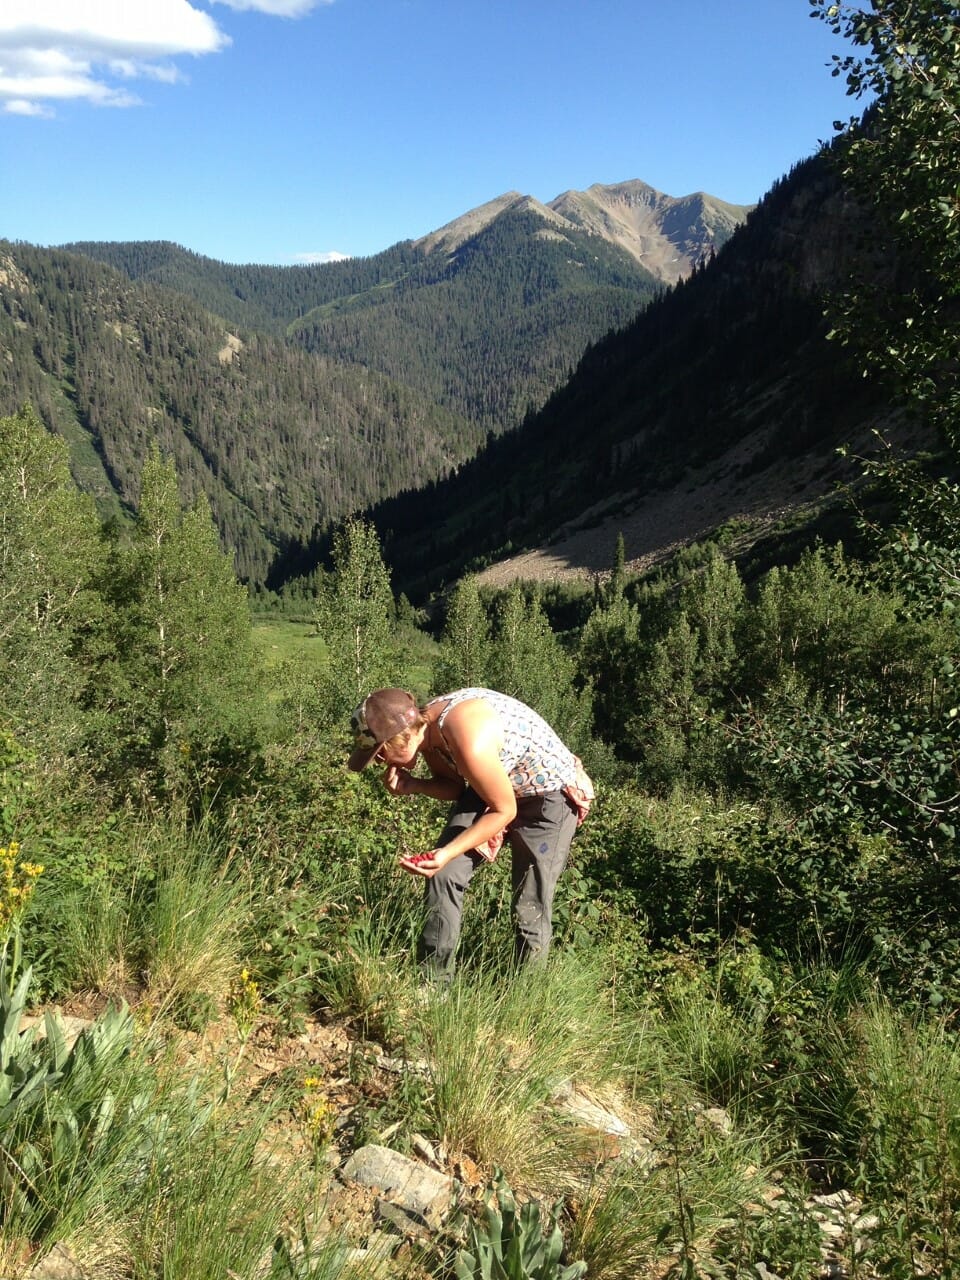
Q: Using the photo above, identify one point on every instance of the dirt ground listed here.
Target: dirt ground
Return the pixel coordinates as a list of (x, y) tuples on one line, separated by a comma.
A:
[(331, 1088), (661, 523)]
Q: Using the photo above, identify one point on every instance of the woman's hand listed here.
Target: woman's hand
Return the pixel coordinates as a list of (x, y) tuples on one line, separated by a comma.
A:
[(425, 864), (399, 782)]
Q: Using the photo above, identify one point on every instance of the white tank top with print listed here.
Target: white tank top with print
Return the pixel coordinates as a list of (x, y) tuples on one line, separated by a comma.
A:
[(533, 755)]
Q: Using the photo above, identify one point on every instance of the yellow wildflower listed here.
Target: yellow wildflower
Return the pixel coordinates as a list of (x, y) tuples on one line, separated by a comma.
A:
[(17, 882), (316, 1112), (244, 1002)]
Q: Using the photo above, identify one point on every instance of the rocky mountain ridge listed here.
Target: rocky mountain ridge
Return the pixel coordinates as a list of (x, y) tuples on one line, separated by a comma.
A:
[(667, 235)]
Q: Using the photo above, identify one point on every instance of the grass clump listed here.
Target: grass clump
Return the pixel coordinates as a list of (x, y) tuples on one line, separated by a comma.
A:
[(690, 1209), (499, 1048), (165, 925), (890, 1120)]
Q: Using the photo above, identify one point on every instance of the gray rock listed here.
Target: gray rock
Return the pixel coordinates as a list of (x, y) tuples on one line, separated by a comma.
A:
[(426, 1150), (403, 1066), (58, 1264), (402, 1221), (717, 1118), (833, 1230), (71, 1027), (375, 1256), (422, 1192), (579, 1106), (837, 1200)]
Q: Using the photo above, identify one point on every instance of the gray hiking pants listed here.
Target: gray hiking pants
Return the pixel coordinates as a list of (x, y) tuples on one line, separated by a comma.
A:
[(539, 839)]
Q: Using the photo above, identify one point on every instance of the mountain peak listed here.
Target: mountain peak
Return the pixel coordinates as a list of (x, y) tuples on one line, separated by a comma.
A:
[(452, 234), (667, 235)]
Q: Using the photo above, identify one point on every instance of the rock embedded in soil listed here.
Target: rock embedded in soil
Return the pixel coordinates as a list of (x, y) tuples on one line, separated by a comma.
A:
[(424, 1193)]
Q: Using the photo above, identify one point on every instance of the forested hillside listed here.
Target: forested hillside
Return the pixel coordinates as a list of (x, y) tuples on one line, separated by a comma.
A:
[(250, 296), (486, 329), (279, 440), (492, 328)]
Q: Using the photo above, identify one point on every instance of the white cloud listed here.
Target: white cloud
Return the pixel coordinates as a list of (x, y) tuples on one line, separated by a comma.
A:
[(74, 49), (36, 89), (21, 107), (313, 259), (128, 69), (276, 8)]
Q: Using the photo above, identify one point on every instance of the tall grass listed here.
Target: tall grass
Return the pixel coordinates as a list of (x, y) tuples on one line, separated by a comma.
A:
[(866, 1096), (192, 926), (215, 1204), (686, 1213), (890, 1116), (168, 927), (95, 946), (499, 1046), (747, 1033)]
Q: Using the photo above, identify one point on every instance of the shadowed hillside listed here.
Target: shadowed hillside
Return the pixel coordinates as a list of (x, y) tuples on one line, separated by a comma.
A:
[(723, 398)]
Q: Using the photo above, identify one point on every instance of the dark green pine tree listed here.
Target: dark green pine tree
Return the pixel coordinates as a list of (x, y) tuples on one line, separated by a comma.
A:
[(464, 659), (355, 617)]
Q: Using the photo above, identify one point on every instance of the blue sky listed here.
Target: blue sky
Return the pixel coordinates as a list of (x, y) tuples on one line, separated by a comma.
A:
[(284, 130)]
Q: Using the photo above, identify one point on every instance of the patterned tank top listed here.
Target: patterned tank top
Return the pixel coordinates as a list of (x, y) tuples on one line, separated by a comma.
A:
[(532, 754)]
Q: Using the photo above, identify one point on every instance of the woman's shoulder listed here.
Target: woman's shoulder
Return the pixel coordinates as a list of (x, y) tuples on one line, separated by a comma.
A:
[(468, 714), (445, 702)]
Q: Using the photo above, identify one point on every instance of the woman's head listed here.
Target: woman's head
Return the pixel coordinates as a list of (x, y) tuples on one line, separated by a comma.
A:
[(402, 748), (385, 722)]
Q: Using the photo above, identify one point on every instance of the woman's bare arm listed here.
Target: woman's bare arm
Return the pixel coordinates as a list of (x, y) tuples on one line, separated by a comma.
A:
[(401, 782), (474, 736)]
